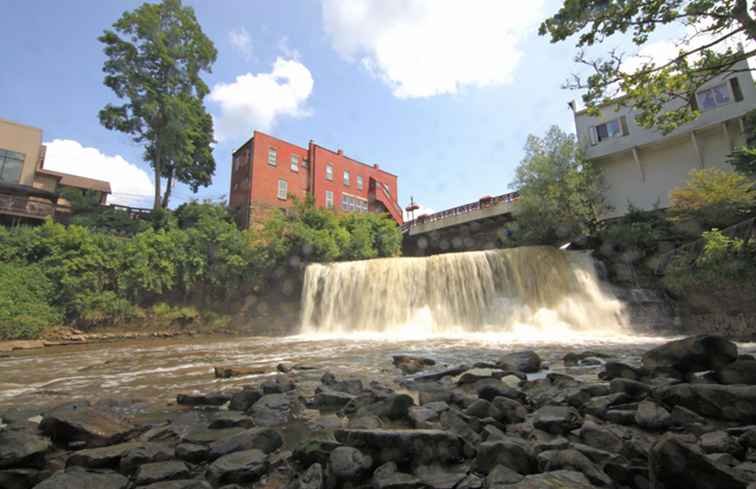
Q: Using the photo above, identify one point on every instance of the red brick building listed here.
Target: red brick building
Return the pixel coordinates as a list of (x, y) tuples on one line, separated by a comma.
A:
[(266, 171)]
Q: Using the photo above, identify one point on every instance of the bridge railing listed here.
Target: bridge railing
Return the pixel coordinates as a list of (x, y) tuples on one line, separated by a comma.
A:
[(463, 209)]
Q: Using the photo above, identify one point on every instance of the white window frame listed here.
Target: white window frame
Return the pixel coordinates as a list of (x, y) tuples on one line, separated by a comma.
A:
[(329, 199), (621, 125), (347, 178), (329, 172), (272, 152), (725, 85), (294, 165), (360, 184), (283, 189)]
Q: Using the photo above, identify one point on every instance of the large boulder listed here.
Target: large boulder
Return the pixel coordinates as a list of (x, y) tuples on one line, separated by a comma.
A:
[(521, 361), (349, 464), (21, 448), (507, 411), (264, 439), (161, 471), (572, 459), (501, 477), (101, 457), (557, 419), (510, 452), (692, 354), (727, 402), (148, 453), (675, 464), (244, 399), (78, 422), (211, 399), (738, 372), (721, 442), (652, 416), (403, 446), (393, 406), (272, 410), (78, 479), (619, 370), (238, 467)]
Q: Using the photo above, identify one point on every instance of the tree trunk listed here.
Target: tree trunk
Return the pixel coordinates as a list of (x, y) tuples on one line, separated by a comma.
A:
[(167, 194), (156, 204)]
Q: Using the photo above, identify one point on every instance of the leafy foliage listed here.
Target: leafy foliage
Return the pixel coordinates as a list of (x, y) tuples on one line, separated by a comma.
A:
[(560, 192), (714, 196), (743, 159), (651, 87), (637, 229), (25, 295), (155, 55)]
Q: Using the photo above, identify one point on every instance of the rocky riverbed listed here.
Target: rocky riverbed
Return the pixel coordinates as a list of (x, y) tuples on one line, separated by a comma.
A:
[(683, 416)]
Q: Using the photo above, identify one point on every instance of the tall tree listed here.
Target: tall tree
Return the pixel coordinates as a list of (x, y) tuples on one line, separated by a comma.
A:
[(155, 55), (560, 192), (705, 52)]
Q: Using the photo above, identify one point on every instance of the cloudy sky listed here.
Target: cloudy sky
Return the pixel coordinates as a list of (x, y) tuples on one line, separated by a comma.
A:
[(441, 95)]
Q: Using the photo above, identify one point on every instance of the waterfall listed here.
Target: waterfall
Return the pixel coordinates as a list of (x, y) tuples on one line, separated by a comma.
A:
[(520, 289)]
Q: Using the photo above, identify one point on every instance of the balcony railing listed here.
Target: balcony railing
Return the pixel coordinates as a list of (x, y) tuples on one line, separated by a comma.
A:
[(463, 209), (24, 206)]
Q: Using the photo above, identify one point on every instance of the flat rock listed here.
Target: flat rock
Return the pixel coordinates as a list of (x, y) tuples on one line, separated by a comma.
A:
[(727, 402), (192, 453), (211, 399), (387, 476), (179, 484), (412, 364), (80, 423), (244, 399), (419, 446), (510, 452), (349, 464), (272, 410), (230, 419), (557, 419), (558, 479), (205, 436), (161, 471), (23, 478), (501, 477), (19, 448), (652, 416), (441, 477), (264, 439), (84, 480), (619, 370), (228, 372), (741, 371), (238, 467), (102, 457), (693, 354)]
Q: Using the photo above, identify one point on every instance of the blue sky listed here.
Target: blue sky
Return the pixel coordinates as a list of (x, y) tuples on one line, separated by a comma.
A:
[(442, 97)]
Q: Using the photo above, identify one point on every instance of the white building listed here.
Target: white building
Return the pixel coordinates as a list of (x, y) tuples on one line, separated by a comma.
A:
[(641, 166)]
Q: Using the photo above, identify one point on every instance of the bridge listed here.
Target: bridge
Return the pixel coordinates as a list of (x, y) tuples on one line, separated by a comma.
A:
[(472, 226)]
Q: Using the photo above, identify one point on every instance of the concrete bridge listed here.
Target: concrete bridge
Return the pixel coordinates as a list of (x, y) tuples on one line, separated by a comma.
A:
[(473, 226)]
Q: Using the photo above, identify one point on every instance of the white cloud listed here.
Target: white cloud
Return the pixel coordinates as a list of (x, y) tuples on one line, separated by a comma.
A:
[(239, 39), (422, 48), (286, 50), (257, 101), (130, 184)]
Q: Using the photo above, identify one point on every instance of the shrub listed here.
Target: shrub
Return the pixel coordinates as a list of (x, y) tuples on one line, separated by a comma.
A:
[(25, 296), (103, 307), (637, 229), (714, 196)]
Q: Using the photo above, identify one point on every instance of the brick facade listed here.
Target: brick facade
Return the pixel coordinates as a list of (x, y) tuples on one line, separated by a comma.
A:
[(262, 163)]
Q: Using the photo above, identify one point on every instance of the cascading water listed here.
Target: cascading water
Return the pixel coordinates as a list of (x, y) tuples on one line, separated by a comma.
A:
[(521, 291)]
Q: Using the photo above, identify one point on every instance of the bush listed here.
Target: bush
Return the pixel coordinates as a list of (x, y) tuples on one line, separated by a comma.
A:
[(715, 197), (637, 229), (25, 296)]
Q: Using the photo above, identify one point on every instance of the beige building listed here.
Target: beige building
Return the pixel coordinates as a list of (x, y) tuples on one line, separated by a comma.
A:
[(28, 191), (641, 166)]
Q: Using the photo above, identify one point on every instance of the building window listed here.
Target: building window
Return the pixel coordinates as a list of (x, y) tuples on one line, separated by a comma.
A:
[(283, 189), (359, 182), (714, 97), (11, 165), (353, 204), (329, 199), (305, 163), (609, 130), (329, 171), (294, 163), (272, 156), (346, 177)]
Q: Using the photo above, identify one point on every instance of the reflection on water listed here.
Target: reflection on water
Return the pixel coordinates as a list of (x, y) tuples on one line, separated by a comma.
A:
[(156, 370)]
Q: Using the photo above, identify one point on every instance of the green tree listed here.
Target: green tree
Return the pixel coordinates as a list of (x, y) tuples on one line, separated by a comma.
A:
[(743, 159), (560, 192), (705, 52), (155, 56), (714, 196)]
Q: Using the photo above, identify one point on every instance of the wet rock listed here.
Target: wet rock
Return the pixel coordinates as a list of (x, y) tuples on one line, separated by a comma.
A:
[(411, 364), (161, 471), (488, 389), (620, 416), (312, 478), (619, 370), (279, 385), (328, 422), (578, 396), (326, 398), (314, 451), (472, 481), (652, 416), (557, 419), (727, 402), (507, 411), (597, 455), (21, 448), (102, 457), (228, 372), (21, 478), (510, 452), (204, 436), (465, 426), (480, 408), (476, 374), (179, 484), (572, 459), (441, 477), (368, 422), (738, 372), (554, 389), (522, 361), (347, 386), (747, 470), (685, 417), (558, 479), (573, 359), (692, 354), (501, 477), (401, 446), (79, 423), (387, 476), (425, 416), (228, 419), (191, 453), (631, 388), (238, 467), (212, 399), (272, 410), (349, 464), (395, 406), (244, 399), (721, 442), (449, 372), (598, 436), (78, 479), (675, 464), (263, 439), (723, 458)]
